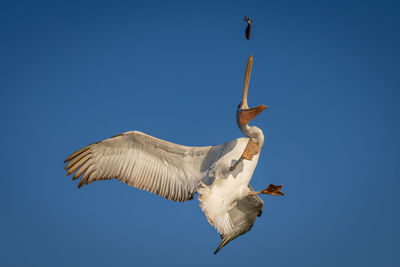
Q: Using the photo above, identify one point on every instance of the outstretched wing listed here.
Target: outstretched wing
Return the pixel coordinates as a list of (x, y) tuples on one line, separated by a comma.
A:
[(139, 160), (243, 216)]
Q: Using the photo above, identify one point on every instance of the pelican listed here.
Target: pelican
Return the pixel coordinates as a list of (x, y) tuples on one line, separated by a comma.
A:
[(248, 28), (219, 174)]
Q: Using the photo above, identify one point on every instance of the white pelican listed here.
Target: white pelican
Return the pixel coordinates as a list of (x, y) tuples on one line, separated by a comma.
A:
[(220, 174)]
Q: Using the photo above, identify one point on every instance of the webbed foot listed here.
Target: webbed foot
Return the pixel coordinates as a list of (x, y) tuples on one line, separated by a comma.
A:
[(274, 190)]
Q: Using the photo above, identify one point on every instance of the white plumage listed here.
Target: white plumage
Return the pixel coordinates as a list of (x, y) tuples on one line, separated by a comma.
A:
[(220, 174)]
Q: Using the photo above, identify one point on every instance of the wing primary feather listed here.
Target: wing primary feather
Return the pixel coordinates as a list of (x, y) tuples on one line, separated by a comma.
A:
[(78, 164), (106, 169), (88, 172), (73, 155), (81, 183), (76, 159), (82, 169), (93, 176), (225, 240)]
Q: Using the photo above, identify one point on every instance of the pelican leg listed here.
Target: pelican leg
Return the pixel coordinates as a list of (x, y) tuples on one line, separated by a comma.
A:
[(237, 163), (252, 149)]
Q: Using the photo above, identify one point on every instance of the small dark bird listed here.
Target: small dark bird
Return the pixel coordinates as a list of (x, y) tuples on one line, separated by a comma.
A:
[(248, 29)]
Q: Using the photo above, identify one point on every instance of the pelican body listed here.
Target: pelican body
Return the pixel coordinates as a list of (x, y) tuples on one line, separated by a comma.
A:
[(219, 174)]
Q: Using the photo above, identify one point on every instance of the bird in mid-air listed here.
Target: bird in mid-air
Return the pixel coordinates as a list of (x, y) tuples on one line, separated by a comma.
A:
[(219, 174), (248, 28)]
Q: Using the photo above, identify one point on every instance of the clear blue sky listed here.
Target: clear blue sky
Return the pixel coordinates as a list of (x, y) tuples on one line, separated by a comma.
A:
[(75, 72)]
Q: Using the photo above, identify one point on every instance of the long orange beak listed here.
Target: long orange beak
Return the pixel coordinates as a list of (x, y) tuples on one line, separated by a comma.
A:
[(246, 82), (246, 114)]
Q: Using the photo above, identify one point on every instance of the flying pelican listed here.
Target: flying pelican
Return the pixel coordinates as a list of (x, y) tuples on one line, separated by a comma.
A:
[(248, 28), (220, 174)]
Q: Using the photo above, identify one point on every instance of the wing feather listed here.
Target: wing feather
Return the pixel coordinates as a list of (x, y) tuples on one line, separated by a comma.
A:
[(166, 169), (84, 167), (75, 154), (243, 216), (78, 164), (87, 174), (77, 158)]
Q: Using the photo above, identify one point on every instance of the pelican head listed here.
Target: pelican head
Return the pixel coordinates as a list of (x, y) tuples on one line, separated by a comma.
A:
[(245, 114)]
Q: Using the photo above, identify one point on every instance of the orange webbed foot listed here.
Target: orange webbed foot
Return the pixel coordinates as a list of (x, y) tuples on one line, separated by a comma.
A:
[(274, 190)]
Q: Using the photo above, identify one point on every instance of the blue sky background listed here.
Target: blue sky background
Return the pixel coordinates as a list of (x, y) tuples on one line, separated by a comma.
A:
[(75, 72)]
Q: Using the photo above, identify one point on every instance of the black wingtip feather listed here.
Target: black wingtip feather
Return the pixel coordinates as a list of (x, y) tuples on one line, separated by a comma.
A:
[(219, 247), (222, 244), (81, 183)]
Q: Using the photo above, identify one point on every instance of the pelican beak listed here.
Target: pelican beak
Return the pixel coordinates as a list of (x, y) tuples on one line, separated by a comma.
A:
[(246, 114)]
